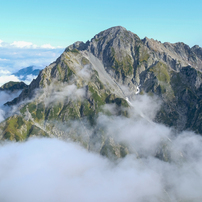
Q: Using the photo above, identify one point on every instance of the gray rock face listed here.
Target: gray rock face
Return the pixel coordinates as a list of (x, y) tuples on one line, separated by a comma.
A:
[(198, 51)]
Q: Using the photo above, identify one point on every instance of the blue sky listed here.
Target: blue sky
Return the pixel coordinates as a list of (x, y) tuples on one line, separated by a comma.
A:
[(62, 22)]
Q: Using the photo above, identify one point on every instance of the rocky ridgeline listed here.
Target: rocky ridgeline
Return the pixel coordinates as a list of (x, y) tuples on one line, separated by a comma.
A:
[(96, 71)]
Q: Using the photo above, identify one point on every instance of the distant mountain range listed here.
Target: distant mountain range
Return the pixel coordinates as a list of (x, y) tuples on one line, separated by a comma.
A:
[(89, 75), (23, 73)]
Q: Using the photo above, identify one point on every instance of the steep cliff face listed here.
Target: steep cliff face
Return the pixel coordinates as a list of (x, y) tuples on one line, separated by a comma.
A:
[(106, 70)]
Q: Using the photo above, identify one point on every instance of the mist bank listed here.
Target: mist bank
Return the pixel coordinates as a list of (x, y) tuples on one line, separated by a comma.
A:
[(55, 170), (6, 96)]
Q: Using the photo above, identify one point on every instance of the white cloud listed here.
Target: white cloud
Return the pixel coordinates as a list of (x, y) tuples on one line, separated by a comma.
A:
[(21, 54), (23, 44), (18, 58), (6, 96), (29, 78), (2, 115), (85, 73), (4, 79), (2, 59), (47, 46), (62, 171), (54, 93), (2, 71), (1, 42), (6, 76), (27, 45), (146, 106)]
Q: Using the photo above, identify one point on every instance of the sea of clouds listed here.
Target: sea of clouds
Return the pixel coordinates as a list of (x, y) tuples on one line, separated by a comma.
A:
[(20, 54), (49, 169), (54, 170)]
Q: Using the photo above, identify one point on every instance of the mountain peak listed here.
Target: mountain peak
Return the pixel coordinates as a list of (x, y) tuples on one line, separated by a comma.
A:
[(111, 31), (116, 28)]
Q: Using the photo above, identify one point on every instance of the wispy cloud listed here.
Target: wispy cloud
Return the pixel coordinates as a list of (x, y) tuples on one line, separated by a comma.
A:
[(22, 44), (26, 45), (4, 72), (3, 59), (47, 46), (6, 78), (6, 96), (64, 171), (29, 78), (1, 43), (21, 54)]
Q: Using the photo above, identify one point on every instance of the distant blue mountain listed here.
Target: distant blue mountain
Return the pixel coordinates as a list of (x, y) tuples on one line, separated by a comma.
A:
[(23, 73)]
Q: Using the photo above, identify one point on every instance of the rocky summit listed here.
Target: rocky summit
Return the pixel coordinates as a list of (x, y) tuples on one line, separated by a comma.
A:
[(111, 68)]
